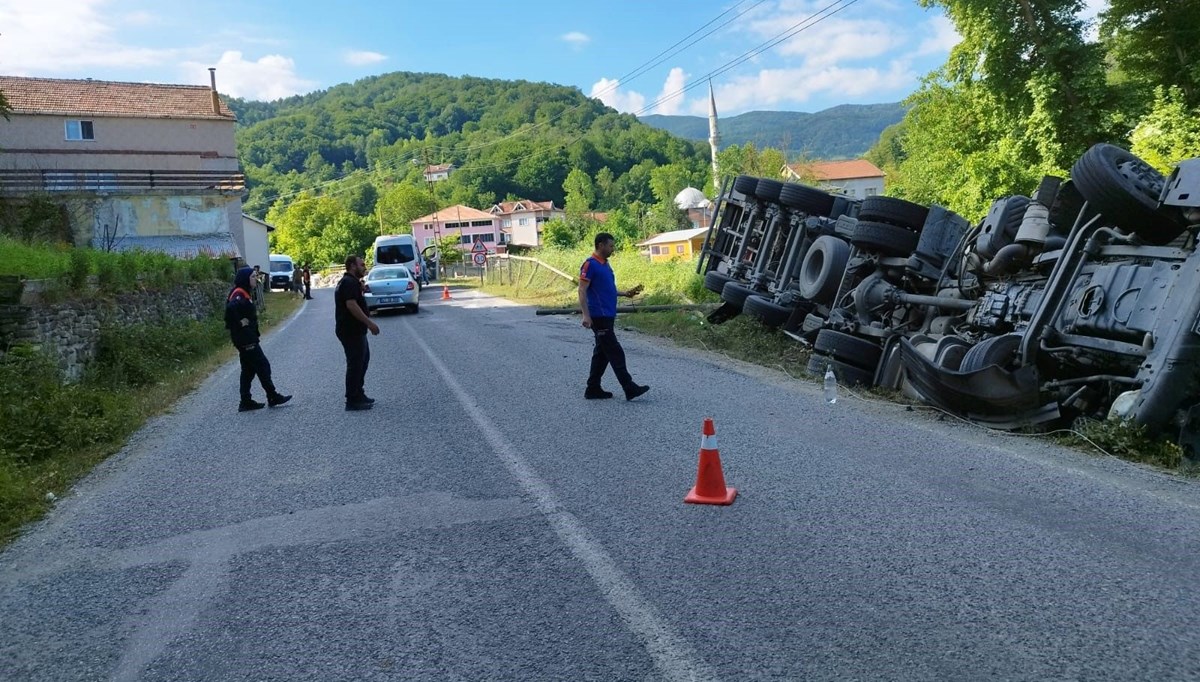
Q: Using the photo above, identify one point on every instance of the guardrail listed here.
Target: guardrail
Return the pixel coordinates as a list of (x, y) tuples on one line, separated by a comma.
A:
[(29, 181)]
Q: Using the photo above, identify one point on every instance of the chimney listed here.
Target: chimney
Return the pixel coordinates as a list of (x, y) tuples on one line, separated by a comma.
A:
[(216, 101)]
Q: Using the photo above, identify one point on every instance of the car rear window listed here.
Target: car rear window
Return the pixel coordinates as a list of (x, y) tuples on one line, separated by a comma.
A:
[(395, 253), (388, 273)]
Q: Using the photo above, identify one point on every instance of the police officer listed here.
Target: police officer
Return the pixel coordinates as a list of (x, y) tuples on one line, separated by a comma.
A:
[(598, 302), (241, 319)]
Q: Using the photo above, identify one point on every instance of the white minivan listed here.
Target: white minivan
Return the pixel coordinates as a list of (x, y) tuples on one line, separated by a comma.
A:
[(281, 271), (400, 249)]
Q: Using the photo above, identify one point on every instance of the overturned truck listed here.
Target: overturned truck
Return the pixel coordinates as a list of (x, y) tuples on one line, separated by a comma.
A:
[(1080, 300)]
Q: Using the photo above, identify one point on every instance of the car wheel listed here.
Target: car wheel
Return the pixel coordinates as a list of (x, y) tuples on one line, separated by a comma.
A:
[(848, 375), (998, 350), (823, 268), (894, 212), (715, 281), (888, 240), (802, 198), (1125, 190), (763, 309), (736, 293), (416, 308), (852, 350)]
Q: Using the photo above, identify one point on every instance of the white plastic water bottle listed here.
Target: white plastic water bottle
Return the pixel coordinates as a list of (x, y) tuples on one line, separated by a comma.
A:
[(830, 385)]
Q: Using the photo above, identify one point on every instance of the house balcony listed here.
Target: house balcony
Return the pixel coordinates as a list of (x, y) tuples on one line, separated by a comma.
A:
[(25, 182)]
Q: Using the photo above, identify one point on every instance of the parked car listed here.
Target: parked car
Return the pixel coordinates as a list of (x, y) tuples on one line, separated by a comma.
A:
[(400, 249), (392, 287), (1082, 299)]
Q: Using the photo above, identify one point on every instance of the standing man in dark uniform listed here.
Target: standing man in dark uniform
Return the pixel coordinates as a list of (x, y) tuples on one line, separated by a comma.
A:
[(241, 319), (307, 282), (598, 302), (352, 325)]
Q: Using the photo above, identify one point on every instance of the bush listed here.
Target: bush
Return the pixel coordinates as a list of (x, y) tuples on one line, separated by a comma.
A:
[(141, 355), (78, 270)]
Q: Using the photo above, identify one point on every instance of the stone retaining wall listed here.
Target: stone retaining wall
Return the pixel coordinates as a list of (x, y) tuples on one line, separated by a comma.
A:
[(70, 330)]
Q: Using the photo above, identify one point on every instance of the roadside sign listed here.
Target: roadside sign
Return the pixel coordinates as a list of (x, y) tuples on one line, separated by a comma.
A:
[(479, 258), (478, 247)]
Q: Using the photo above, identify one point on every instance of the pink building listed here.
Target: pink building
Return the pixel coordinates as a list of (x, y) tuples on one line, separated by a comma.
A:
[(468, 224)]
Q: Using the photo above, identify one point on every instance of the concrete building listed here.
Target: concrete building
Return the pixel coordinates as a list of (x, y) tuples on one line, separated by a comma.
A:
[(135, 165), (521, 221), (439, 172), (677, 244), (858, 178), (254, 242), (470, 225), (697, 206)]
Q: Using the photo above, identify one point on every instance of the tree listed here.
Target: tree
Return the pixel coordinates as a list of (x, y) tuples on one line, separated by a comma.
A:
[(401, 204), (1153, 43), (580, 192), (1168, 134), (5, 108)]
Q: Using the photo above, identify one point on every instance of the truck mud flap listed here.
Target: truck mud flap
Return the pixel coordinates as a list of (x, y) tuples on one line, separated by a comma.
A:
[(989, 392), (725, 313)]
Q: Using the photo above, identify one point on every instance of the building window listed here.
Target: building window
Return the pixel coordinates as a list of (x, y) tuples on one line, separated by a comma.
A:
[(80, 130), (503, 238), (679, 248), (654, 250), (507, 222), (481, 223), (869, 192), (523, 221)]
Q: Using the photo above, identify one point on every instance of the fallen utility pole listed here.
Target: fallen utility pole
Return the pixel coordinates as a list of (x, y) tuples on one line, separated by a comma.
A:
[(630, 309)]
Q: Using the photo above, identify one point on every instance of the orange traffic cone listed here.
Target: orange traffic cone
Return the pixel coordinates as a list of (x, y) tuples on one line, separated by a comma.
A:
[(445, 292), (710, 482)]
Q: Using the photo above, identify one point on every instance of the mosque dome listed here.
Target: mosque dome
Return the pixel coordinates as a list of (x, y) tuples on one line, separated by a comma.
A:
[(690, 197)]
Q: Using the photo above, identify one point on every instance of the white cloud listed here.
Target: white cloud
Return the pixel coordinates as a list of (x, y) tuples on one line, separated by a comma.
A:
[(41, 37), (268, 78), (794, 86), (363, 58), (942, 37), (609, 92), (671, 99), (833, 40), (576, 39), (139, 19)]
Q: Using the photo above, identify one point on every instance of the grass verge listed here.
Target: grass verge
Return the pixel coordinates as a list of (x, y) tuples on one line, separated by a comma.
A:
[(51, 435)]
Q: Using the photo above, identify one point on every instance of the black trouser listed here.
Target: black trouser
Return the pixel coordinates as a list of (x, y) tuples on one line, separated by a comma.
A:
[(254, 362), (358, 356), (607, 351), (308, 290)]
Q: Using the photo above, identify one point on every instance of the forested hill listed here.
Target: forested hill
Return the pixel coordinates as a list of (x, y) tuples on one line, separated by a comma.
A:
[(845, 131), (507, 138)]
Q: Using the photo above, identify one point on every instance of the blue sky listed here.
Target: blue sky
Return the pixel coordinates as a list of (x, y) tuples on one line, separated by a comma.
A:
[(869, 51)]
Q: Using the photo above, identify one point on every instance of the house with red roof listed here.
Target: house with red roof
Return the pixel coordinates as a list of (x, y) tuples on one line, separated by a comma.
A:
[(469, 225), (521, 220), (855, 178), (135, 165)]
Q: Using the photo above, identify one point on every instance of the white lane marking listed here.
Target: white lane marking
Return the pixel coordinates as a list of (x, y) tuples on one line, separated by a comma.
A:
[(672, 655)]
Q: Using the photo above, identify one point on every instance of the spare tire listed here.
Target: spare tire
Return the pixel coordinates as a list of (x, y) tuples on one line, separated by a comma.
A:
[(768, 190), (894, 212), (881, 238), (763, 309), (745, 184), (849, 349), (715, 281), (808, 199), (1125, 190), (823, 268)]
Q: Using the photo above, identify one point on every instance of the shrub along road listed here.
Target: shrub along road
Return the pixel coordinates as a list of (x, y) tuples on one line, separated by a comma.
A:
[(486, 522)]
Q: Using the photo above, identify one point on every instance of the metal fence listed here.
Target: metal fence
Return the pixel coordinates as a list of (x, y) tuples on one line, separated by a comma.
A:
[(31, 181)]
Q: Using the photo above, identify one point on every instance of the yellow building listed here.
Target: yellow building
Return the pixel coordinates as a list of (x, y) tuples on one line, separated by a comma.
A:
[(680, 244)]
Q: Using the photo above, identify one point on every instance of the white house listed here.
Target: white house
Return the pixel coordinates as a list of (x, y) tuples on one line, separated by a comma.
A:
[(438, 172), (857, 178), (522, 220), (252, 240)]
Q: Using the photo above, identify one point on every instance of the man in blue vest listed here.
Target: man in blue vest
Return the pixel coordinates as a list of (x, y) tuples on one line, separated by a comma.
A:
[(598, 302)]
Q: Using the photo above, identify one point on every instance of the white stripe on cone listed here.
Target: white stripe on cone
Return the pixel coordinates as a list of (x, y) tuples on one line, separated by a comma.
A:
[(708, 442)]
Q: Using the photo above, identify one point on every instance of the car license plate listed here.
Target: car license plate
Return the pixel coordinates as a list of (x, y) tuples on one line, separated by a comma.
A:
[(390, 299)]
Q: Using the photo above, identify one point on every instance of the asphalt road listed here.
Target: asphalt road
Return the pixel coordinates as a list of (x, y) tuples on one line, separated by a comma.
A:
[(485, 522)]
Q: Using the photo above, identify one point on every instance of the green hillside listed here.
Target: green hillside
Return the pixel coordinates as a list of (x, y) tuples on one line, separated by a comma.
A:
[(845, 131), (507, 138)]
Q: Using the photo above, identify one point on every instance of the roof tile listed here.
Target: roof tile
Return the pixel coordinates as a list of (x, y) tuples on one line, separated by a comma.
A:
[(52, 96)]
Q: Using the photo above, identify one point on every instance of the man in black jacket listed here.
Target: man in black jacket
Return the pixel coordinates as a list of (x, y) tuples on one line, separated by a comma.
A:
[(241, 319)]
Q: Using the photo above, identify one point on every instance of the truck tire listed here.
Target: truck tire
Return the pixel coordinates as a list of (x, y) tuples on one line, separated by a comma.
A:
[(803, 198), (744, 184), (768, 190), (893, 212), (885, 239), (736, 293), (847, 375), (823, 268), (998, 350), (763, 309), (715, 281), (849, 349), (1125, 190)]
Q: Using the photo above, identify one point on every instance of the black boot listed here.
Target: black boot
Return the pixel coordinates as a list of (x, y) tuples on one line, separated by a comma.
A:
[(277, 399), (596, 394), (633, 390), (248, 405)]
